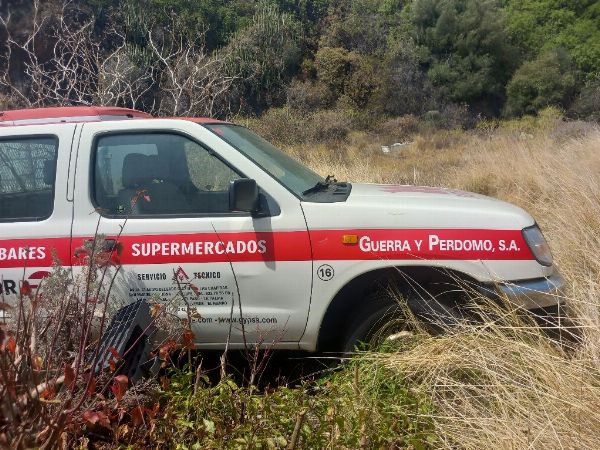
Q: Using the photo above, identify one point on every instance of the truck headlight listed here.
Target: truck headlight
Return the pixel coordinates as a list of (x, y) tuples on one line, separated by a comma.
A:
[(538, 245)]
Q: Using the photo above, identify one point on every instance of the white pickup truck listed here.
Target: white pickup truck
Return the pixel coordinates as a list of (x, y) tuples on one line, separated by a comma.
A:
[(302, 261)]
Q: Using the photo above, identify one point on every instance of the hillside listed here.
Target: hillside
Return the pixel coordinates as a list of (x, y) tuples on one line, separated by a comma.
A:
[(455, 60)]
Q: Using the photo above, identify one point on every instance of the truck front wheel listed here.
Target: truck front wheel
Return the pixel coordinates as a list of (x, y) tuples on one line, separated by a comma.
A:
[(380, 318)]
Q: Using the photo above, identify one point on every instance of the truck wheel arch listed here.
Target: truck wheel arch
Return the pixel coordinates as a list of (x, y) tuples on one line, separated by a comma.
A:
[(347, 302)]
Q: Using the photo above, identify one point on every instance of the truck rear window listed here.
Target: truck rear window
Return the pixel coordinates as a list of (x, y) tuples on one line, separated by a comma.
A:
[(27, 177)]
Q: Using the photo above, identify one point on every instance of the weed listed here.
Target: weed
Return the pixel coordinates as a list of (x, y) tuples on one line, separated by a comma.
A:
[(365, 405)]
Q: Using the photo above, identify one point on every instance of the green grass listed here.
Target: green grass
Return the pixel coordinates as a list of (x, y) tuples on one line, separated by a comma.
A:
[(363, 405)]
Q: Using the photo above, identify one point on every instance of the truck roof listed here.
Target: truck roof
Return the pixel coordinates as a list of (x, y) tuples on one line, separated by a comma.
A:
[(63, 114)]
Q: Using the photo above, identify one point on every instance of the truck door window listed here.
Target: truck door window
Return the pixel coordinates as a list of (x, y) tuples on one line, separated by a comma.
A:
[(145, 174), (27, 177)]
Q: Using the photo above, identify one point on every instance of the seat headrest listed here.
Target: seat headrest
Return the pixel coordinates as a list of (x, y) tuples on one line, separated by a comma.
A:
[(135, 170), (156, 169)]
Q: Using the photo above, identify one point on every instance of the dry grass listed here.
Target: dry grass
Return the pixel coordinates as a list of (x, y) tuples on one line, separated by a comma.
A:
[(504, 387)]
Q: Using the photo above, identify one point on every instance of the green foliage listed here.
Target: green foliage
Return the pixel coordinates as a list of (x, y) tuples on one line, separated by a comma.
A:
[(216, 20), (587, 104), (541, 25), (544, 121), (348, 74), (468, 53), (265, 54), (388, 57), (363, 406), (333, 67), (307, 96), (362, 25), (363, 81), (549, 80), (405, 88)]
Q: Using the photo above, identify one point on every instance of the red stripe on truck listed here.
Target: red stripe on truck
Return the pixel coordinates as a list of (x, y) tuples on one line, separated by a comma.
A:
[(442, 244), (210, 247), (413, 244)]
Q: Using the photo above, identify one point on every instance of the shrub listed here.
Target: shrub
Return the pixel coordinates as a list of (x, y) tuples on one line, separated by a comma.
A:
[(50, 394), (587, 104), (545, 120), (450, 116), (466, 47), (264, 54), (286, 127), (363, 26), (363, 406), (307, 96), (333, 67), (537, 25), (405, 88), (549, 80), (329, 125), (399, 128), (282, 126), (362, 82)]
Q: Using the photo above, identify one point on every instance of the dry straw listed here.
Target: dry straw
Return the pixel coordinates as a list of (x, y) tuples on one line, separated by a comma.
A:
[(505, 384)]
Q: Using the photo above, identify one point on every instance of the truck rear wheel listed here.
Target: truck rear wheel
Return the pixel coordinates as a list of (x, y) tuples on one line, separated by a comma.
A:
[(380, 319)]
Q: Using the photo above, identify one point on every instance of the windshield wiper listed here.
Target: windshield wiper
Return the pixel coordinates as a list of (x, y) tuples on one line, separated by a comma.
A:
[(321, 185)]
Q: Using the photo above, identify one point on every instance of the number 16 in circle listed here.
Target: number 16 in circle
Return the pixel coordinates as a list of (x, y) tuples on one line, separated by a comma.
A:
[(325, 272)]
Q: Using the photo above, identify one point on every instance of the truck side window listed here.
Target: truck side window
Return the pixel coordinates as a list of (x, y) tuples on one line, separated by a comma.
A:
[(27, 177), (141, 174)]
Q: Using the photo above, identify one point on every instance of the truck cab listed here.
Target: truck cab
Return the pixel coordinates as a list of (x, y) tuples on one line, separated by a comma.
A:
[(261, 247)]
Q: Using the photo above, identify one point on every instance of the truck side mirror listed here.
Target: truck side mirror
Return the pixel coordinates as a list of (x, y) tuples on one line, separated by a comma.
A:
[(243, 195)]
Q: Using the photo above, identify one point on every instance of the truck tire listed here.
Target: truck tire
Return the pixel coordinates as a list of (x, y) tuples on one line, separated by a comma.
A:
[(380, 317)]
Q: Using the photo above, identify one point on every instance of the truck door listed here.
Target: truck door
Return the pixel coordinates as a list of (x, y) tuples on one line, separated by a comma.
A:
[(160, 188), (35, 215)]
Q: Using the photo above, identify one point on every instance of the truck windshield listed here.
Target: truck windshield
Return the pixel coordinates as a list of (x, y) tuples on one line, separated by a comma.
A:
[(294, 176)]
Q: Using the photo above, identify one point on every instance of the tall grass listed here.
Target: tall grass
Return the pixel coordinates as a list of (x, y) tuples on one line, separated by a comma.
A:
[(503, 386)]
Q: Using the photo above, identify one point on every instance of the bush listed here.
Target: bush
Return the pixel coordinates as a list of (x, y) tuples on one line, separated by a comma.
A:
[(549, 80), (329, 125), (50, 394), (545, 120), (449, 117), (333, 67), (307, 96), (537, 25), (363, 26), (264, 54), (286, 127), (587, 104), (362, 83), (399, 128), (405, 88), (466, 47), (281, 126), (363, 406)]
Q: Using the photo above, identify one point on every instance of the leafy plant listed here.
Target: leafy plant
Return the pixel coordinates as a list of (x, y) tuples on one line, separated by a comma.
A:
[(547, 81), (362, 406)]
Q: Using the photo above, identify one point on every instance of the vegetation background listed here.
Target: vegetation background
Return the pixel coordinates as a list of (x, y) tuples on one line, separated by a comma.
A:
[(496, 97), (451, 61)]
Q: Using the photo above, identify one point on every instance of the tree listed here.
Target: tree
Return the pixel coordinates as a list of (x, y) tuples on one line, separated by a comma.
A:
[(587, 104), (363, 26), (541, 25), (65, 62), (468, 55), (214, 20), (549, 80), (405, 88), (265, 55)]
